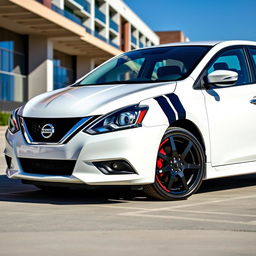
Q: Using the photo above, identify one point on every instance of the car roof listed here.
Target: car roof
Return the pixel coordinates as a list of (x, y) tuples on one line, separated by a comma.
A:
[(209, 43), (202, 43)]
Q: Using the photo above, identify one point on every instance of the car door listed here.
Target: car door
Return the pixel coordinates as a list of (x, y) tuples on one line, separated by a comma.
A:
[(231, 114)]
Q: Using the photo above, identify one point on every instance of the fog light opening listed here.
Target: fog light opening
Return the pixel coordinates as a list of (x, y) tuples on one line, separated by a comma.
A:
[(115, 167), (8, 161)]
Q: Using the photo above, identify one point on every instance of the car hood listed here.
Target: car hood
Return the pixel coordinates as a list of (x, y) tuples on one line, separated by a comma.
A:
[(78, 101)]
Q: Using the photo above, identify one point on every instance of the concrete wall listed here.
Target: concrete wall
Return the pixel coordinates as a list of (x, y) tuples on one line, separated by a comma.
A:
[(40, 68), (83, 66)]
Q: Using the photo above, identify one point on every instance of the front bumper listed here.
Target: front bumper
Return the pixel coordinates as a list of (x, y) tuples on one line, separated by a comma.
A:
[(137, 146)]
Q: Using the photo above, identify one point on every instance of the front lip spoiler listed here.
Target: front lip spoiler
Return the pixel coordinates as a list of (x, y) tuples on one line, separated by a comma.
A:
[(79, 125), (16, 174)]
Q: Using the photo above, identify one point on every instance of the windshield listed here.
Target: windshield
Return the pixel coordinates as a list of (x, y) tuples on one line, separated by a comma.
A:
[(148, 65)]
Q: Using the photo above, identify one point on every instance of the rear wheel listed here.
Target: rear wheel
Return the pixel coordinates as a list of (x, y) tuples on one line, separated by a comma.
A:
[(180, 166)]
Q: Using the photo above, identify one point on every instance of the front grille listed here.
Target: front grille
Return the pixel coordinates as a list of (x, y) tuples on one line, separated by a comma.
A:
[(49, 167), (61, 127)]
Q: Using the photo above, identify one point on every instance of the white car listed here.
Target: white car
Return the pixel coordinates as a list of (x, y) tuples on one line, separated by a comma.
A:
[(164, 118)]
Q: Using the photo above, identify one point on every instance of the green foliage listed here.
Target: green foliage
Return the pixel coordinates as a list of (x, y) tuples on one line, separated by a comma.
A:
[(4, 118)]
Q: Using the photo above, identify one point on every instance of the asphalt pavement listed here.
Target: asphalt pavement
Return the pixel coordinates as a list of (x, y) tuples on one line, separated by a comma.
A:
[(220, 219)]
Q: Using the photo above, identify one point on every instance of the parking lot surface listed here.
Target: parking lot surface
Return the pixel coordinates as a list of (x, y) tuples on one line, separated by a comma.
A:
[(219, 220)]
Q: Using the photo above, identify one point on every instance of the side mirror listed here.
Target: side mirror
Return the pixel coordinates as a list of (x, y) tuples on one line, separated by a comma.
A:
[(222, 78)]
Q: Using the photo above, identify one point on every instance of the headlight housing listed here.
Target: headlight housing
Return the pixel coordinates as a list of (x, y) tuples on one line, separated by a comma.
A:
[(125, 118), (13, 124)]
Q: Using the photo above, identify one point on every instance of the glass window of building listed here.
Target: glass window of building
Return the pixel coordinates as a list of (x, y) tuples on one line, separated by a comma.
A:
[(64, 69), (13, 67)]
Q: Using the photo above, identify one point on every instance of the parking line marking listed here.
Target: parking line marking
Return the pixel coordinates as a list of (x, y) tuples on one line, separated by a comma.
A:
[(192, 205), (214, 213), (250, 223), (123, 207)]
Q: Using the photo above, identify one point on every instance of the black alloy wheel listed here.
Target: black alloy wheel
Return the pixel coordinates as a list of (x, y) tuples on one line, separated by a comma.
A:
[(180, 166)]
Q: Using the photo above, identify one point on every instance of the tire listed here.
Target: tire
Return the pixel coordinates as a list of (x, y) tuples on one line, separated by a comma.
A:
[(180, 166)]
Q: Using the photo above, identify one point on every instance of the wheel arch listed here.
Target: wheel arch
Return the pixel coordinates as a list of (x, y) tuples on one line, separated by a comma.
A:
[(191, 127)]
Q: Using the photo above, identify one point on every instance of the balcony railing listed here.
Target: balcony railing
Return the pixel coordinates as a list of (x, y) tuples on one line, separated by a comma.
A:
[(88, 30), (134, 40), (141, 45), (101, 37), (75, 19), (84, 4), (114, 44), (67, 14), (113, 25), (100, 15)]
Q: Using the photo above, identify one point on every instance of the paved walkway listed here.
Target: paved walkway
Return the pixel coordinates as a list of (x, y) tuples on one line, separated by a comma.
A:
[(219, 220)]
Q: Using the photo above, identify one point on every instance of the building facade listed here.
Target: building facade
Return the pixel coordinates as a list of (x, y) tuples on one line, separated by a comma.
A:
[(48, 44), (167, 37)]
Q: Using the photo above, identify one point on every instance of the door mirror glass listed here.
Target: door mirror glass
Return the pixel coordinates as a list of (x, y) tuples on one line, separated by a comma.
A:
[(222, 78)]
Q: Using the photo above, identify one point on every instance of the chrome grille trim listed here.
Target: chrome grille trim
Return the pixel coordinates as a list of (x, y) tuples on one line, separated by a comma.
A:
[(76, 127)]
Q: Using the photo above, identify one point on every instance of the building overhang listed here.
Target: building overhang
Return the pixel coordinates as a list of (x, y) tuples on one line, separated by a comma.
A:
[(32, 18)]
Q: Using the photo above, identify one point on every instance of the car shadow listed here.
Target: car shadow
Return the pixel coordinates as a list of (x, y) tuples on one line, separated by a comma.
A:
[(15, 191), (228, 183)]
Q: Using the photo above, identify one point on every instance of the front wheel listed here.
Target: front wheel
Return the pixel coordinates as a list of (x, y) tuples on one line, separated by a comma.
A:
[(180, 166)]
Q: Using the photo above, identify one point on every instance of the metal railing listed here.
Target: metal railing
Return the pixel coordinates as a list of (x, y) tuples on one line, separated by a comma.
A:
[(134, 40), (113, 25), (141, 45), (84, 4), (114, 44), (101, 37), (75, 19), (88, 30), (67, 14), (100, 15)]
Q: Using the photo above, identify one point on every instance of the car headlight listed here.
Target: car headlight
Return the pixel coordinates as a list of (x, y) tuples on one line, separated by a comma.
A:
[(125, 118), (13, 124)]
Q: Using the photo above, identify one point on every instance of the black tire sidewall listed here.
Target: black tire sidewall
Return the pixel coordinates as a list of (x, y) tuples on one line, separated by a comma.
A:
[(180, 131)]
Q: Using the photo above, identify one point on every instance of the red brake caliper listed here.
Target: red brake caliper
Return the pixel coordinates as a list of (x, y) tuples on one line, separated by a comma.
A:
[(160, 161), (160, 164)]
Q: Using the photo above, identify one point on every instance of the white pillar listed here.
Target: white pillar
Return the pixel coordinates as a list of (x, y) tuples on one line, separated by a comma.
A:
[(107, 21), (93, 15), (83, 66), (40, 70)]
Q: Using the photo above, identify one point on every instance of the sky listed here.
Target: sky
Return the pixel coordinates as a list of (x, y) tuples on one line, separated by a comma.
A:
[(200, 20)]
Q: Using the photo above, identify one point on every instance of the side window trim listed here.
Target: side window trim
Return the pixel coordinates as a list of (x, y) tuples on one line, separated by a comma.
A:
[(251, 61), (248, 64), (198, 83)]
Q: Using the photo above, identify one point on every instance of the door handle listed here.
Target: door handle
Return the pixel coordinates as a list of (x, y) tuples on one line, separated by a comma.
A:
[(253, 101)]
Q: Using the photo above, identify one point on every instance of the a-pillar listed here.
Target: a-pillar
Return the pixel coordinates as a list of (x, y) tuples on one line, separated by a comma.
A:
[(84, 65), (40, 69)]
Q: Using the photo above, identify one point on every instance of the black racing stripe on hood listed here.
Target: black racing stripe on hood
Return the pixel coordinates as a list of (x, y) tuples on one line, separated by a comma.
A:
[(165, 106)]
